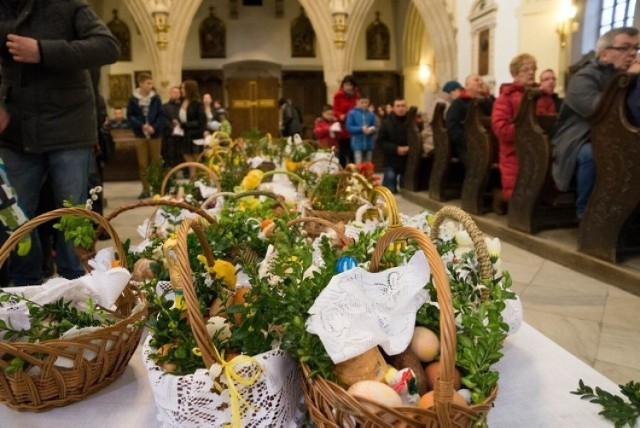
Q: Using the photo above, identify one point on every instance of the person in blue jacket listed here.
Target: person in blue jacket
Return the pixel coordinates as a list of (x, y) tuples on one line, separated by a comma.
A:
[(361, 123)]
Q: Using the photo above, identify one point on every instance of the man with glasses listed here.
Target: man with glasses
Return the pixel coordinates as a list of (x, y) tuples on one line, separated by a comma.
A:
[(615, 51)]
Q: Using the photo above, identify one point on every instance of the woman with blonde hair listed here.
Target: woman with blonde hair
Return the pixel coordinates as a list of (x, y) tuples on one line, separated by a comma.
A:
[(192, 120), (523, 70)]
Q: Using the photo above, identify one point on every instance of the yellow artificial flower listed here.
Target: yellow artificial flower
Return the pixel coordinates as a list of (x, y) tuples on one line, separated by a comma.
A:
[(252, 179), (290, 165), (222, 269)]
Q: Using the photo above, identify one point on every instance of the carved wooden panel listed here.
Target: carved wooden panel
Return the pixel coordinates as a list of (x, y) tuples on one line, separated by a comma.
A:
[(308, 92), (414, 157), (616, 194), (209, 82), (381, 86), (253, 104), (440, 182)]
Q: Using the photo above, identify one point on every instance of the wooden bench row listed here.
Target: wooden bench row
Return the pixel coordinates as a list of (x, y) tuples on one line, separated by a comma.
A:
[(610, 228)]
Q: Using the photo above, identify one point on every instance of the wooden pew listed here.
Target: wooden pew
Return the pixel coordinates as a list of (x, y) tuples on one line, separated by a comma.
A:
[(445, 181), (417, 165), (610, 228), (535, 203), (123, 164), (482, 150)]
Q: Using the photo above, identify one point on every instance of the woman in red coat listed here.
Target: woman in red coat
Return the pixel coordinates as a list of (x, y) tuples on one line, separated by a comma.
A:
[(523, 70), (344, 100)]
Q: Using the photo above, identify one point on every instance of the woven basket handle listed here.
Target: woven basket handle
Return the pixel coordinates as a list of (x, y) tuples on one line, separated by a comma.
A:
[(443, 391), (477, 237), (27, 227), (158, 203), (393, 216), (344, 239), (330, 161), (284, 171), (185, 279), (211, 199), (344, 174), (210, 174)]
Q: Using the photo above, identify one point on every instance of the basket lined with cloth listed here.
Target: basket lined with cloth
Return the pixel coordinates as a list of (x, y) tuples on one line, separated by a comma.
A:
[(259, 390), (57, 372), (330, 405)]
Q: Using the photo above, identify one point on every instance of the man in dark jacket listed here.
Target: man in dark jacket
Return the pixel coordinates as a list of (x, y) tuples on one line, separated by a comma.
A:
[(457, 113), (47, 109), (393, 140), (615, 51), (291, 122), (171, 143)]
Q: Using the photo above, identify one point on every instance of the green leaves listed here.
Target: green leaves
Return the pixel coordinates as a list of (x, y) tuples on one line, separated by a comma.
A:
[(614, 407)]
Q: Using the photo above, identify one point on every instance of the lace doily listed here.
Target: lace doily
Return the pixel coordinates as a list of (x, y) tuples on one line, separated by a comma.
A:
[(188, 401), (359, 309)]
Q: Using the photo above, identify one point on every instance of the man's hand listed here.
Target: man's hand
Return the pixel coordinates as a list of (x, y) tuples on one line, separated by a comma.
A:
[(4, 119), (23, 49), (403, 150), (635, 67)]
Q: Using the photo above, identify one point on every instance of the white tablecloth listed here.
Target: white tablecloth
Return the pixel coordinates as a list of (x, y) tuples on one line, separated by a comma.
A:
[(536, 376)]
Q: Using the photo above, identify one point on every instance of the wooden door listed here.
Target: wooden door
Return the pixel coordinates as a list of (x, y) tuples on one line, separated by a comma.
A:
[(253, 104), (308, 92)]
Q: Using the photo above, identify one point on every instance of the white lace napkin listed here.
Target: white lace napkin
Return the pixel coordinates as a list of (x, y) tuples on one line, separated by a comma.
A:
[(359, 309)]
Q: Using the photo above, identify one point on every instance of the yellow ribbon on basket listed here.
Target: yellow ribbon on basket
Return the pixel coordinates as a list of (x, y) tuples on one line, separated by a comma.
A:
[(233, 378)]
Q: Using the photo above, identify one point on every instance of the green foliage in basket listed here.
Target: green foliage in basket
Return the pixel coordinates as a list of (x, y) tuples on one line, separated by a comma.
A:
[(327, 195), (480, 328), (76, 228), (231, 167), (615, 408), (156, 171), (49, 321)]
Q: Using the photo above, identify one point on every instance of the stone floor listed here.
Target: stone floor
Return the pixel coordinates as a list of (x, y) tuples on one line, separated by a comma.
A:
[(597, 322)]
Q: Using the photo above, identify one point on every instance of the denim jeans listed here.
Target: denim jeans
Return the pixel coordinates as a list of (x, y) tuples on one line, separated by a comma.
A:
[(585, 178), (359, 156), (69, 171), (390, 179)]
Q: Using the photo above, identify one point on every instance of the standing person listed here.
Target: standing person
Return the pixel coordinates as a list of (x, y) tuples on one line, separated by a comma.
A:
[(548, 82), (210, 111), (615, 51), (393, 139), (361, 123), (344, 100), (457, 113), (290, 121), (144, 114), (523, 70), (47, 110), (172, 137), (118, 121), (324, 128), (192, 121)]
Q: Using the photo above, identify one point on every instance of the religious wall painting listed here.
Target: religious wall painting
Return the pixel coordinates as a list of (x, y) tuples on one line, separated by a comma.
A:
[(483, 52), (378, 40), (302, 37), (121, 32), (213, 37), (120, 90)]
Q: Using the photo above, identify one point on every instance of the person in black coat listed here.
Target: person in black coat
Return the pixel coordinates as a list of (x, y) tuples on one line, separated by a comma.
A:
[(457, 113), (393, 139), (47, 110), (171, 143), (193, 121)]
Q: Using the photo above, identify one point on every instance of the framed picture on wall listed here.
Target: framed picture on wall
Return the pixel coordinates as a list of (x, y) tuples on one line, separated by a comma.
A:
[(483, 52), (120, 90)]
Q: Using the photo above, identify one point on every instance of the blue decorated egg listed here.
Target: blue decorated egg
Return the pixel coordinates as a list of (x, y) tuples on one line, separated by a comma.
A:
[(345, 263)]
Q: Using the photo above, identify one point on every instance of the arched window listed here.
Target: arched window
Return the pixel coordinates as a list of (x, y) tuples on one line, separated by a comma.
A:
[(616, 13)]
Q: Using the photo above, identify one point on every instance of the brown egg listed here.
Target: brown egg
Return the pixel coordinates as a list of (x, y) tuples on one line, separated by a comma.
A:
[(426, 400), (425, 344), (433, 372)]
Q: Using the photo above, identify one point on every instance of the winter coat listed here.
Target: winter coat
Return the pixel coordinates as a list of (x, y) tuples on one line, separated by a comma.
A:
[(454, 122), (194, 127), (504, 112), (291, 121), (136, 117), (573, 128), (343, 103), (356, 119), (323, 134), (51, 104), (393, 133)]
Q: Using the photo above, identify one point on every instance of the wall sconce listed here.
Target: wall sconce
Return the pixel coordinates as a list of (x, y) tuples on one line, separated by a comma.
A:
[(424, 74), (340, 15), (566, 21), (160, 14)]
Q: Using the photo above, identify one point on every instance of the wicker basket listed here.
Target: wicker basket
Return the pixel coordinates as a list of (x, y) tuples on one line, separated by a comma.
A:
[(331, 406), (211, 200), (209, 172), (114, 345), (273, 396), (314, 226)]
